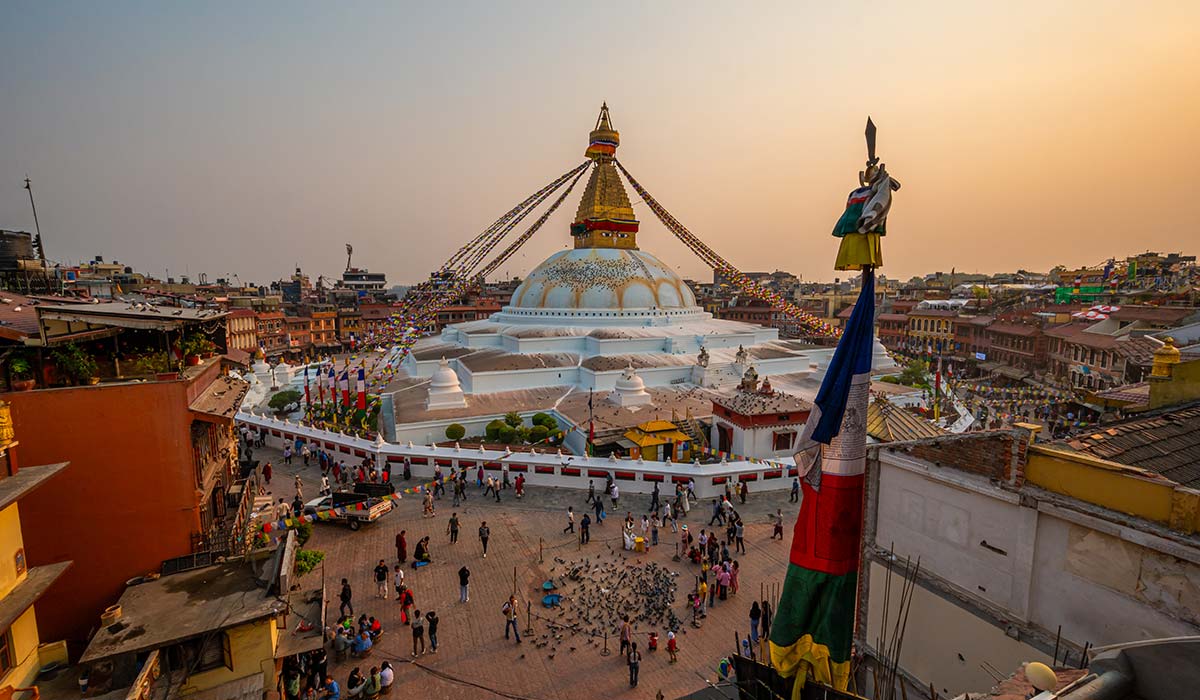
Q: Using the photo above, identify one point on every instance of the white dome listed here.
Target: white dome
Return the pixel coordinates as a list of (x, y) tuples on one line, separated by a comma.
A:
[(444, 389), (603, 279), (444, 377)]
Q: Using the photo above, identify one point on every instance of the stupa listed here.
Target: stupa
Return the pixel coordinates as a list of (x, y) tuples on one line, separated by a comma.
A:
[(585, 316)]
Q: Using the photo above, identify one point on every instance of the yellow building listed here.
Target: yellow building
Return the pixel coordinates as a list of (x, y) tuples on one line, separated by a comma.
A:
[(216, 632), (658, 440), (21, 652), (931, 330)]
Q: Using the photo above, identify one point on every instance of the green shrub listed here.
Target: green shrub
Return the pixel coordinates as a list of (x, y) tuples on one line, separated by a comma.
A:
[(307, 560), (545, 419), (75, 362), (513, 419), (538, 433), (283, 398), (455, 431), (508, 435), (303, 533), (492, 431)]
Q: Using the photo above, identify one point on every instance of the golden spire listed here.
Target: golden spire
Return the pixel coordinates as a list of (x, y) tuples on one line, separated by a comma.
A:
[(1165, 358), (605, 217)]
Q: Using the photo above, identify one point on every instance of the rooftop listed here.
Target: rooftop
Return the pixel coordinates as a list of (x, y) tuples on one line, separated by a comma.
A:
[(1138, 350), (194, 602), (1166, 443), (125, 315), (756, 403), (221, 398), (887, 422), (1153, 314), (1019, 329)]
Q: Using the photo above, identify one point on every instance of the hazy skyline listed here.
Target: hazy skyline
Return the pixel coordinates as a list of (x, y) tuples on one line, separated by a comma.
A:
[(248, 139)]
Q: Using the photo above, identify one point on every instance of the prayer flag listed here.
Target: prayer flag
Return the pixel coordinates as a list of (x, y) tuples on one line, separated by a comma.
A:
[(813, 627)]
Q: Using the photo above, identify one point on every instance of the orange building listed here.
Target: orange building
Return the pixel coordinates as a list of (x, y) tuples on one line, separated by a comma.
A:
[(153, 475)]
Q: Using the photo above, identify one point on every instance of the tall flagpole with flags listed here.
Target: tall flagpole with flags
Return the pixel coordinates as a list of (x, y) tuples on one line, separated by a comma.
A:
[(591, 426), (813, 630)]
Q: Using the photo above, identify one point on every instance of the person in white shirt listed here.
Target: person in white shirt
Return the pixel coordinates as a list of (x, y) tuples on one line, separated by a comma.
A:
[(386, 675)]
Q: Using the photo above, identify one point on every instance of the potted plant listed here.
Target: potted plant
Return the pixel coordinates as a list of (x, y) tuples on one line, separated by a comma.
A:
[(22, 374), (191, 347), (76, 363)]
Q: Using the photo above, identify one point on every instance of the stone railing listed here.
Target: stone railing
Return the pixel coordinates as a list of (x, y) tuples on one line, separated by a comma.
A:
[(540, 468)]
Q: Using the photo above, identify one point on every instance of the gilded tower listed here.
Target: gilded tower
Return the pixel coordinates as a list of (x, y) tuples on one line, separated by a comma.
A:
[(605, 218)]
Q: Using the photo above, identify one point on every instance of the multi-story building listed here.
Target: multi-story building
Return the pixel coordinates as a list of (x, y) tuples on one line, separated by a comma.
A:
[(931, 330), (1020, 346), (469, 310), (1082, 356), (971, 341), (153, 471), (892, 330), (22, 585), (272, 333), (241, 330), (349, 323), (375, 317), (361, 280), (324, 329), (299, 333)]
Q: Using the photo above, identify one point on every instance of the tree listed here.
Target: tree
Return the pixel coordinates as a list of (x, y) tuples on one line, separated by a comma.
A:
[(508, 435), (538, 433), (544, 419), (281, 400), (455, 431), (513, 419), (492, 431), (914, 373)]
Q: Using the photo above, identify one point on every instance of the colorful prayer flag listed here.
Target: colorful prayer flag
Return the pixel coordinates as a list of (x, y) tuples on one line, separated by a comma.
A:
[(812, 632)]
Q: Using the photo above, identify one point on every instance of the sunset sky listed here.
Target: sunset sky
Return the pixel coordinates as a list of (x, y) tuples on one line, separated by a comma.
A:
[(251, 137)]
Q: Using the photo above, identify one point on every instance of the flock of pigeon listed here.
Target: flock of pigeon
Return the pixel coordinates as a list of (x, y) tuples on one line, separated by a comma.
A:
[(597, 591)]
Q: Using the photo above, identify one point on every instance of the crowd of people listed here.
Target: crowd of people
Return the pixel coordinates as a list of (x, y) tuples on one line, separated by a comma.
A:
[(712, 551)]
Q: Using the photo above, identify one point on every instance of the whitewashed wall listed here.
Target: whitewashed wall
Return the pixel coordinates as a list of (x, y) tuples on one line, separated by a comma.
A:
[(545, 469)]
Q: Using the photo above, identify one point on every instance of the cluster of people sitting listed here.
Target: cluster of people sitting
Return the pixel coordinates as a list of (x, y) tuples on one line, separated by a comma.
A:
[(357, 641), (378, 681)]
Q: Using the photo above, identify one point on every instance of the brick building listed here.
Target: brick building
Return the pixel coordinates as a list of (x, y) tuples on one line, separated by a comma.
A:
[(1021, 346), (892, 330), (272, 335)]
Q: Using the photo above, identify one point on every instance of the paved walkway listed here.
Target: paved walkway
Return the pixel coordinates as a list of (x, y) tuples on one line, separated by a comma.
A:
[(474, 660)]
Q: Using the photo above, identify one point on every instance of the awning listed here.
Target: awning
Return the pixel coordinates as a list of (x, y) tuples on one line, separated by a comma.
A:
[(307, 607), (27, 592), (220, 401), (1011, 372)]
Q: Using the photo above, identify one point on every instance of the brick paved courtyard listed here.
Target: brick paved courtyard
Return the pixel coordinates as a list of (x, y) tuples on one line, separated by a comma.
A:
[(473, 659)]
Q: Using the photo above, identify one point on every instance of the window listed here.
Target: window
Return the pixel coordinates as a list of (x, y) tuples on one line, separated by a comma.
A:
[(6, 660), (783, 440), (202, 653)]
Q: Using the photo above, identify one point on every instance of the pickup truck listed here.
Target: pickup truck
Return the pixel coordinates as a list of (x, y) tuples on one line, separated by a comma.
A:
[(373, 508)]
